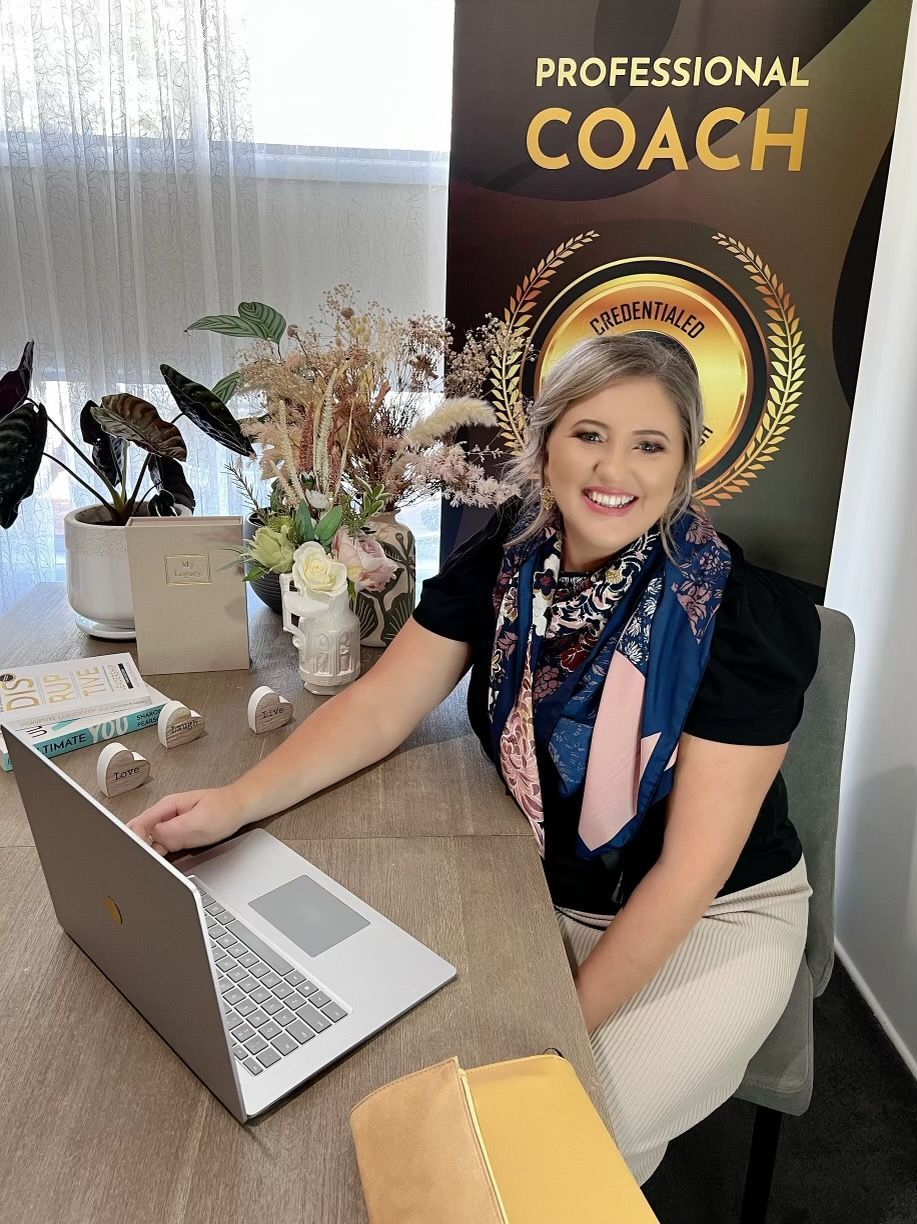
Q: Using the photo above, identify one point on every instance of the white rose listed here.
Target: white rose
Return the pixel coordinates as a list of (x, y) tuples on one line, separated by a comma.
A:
[(315, 573)]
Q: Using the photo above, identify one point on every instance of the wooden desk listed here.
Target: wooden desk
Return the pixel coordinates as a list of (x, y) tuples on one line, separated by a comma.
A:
[(101, 1122)]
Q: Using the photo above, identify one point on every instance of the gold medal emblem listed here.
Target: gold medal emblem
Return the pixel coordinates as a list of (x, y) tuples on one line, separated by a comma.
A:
[(751, 378)]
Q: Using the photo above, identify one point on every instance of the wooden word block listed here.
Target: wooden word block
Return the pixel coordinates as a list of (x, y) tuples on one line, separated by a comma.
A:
[(267, 710), (178, 725), (119, 770)]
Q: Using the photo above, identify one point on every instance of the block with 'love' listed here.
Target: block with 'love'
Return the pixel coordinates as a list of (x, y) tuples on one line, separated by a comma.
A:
[(119, 770)]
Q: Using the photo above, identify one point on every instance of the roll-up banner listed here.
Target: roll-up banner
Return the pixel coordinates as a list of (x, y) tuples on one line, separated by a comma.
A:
[(713, 170)]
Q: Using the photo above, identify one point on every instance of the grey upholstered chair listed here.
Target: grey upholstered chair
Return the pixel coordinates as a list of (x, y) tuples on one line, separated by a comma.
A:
[(779, 1077)]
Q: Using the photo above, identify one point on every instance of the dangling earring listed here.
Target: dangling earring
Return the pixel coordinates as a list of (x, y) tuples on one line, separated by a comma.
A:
[(547, 499)]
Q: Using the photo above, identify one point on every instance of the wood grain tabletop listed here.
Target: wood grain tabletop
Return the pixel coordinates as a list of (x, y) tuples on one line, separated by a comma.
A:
[(101, 1122)]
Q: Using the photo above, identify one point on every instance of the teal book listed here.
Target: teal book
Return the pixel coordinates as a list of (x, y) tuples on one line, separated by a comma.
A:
[(54, 739)]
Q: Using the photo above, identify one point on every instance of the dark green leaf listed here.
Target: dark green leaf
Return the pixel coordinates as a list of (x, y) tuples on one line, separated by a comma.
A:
[(168, 476), (304, 523), (207, 412), (226, 325), (134, 419), (328, 524), (225, 389), (396, 617), (162, 505), (393, 552), (107, 451), (22, 440), (270, 322), (366, 614), (14, 385)]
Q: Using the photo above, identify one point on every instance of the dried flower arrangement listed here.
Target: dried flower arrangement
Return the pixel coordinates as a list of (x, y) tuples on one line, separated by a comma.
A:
[(345, 411), (343, 429)]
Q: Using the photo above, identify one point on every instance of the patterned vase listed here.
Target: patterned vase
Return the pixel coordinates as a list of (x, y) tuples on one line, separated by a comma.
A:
[(327, 636), (382, 613)]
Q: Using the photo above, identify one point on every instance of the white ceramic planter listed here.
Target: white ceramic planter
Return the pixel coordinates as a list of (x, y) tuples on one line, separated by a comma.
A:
[(327, 636), (98, 578)]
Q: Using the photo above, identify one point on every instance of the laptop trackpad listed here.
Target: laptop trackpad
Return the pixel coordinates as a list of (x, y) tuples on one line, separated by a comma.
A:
[(308, 915)]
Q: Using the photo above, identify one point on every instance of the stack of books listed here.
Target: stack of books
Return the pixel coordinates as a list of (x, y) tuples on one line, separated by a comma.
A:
[(77, 703)]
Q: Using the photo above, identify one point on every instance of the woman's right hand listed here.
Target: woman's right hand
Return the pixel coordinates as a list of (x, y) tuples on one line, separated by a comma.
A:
[(192, 818)]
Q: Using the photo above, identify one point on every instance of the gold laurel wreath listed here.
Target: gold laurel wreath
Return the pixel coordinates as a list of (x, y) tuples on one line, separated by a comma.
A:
[(510, 351), (785, 344), (787, 363)]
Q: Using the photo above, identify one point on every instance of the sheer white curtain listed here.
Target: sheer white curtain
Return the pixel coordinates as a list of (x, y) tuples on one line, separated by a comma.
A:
[(351, 108), (161, 160)]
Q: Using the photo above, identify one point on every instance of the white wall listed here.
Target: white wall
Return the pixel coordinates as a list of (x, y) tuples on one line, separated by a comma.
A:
[(873, 578)]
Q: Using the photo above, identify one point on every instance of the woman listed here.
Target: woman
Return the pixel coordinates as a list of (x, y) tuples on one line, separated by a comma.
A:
[(636, 682)]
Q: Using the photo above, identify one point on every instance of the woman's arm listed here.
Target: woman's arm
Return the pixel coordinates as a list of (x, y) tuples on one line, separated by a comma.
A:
[(718, 792), (353, 729)]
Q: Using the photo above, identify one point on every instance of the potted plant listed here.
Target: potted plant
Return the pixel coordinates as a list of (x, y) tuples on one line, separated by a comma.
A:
[(133, 466)]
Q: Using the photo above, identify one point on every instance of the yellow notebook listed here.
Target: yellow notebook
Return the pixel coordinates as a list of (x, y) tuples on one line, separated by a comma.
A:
[(516, 1142)]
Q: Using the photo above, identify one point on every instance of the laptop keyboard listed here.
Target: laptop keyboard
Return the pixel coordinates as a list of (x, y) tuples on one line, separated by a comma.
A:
[(271, 1008)]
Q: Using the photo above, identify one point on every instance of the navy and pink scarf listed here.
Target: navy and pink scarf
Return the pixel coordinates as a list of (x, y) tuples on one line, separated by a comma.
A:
[(601, 676)]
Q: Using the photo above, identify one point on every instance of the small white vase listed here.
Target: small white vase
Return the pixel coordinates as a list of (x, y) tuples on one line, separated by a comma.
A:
[(327, 635), (98, 577)]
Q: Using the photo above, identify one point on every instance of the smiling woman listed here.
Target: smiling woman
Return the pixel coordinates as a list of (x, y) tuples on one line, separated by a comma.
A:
[(614, 436), (635, 682), (637, 709), (613, 461)]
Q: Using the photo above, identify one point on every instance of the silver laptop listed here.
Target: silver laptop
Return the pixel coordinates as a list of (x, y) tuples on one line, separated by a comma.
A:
[(256, 968)]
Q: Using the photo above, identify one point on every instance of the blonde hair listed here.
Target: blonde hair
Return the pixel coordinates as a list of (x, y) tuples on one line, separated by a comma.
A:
[(589, 367)]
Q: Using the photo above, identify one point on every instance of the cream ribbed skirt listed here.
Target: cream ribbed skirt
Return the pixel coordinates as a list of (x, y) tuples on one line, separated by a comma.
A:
[(680, 1046)]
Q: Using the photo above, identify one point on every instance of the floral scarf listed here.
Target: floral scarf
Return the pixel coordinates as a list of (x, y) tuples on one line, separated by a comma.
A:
[(603, 675)]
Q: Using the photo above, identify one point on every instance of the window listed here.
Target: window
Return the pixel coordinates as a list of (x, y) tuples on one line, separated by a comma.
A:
[(364, 74)]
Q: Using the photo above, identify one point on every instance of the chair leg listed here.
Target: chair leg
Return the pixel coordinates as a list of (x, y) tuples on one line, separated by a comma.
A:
[(761, 1165)]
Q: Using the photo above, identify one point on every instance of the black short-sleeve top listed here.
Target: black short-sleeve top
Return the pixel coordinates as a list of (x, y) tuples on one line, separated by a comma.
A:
[(763, 656)]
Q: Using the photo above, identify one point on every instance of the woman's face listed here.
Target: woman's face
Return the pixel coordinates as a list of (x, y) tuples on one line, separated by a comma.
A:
[(612, 462)]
